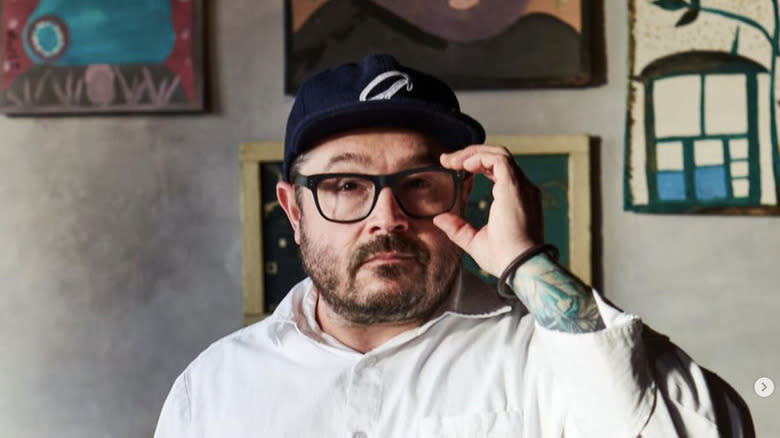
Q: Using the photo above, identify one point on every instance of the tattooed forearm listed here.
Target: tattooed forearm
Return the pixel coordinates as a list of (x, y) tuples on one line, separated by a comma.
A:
[(557, 299)]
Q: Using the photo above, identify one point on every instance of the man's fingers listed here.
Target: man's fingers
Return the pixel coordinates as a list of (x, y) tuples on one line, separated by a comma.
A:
[(488, 160), (456, 228), (454, 160), (497, 168)]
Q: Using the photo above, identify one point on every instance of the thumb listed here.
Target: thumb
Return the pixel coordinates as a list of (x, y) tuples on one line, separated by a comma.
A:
[(456, 228)]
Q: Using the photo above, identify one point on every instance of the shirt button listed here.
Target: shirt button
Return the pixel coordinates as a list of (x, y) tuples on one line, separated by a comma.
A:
[(371, 361), (359, 434)]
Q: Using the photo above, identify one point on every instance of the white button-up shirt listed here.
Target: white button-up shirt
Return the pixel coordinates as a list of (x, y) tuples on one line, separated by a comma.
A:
[(481, 367)]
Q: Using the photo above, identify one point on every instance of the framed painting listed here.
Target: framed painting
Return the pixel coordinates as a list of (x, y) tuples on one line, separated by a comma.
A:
[(471, 44), (559, 165), (702, 130), (98, 56)]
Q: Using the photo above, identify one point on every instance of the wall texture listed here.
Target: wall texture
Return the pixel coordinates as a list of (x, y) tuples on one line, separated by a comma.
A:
[(120, 241)]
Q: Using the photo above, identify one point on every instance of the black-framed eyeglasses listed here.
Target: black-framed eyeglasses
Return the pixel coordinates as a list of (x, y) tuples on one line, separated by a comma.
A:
[(350, 197)]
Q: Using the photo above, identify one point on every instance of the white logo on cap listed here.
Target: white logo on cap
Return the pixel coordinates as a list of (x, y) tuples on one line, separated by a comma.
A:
[(403, 81)]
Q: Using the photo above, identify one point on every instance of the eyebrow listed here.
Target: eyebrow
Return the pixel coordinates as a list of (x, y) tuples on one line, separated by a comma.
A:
[(426, 158), (347, 157)]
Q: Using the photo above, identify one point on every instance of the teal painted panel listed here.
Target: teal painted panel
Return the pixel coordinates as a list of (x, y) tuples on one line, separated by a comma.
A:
[(282, 268), (99, 56), (551, 174), (101, 31)]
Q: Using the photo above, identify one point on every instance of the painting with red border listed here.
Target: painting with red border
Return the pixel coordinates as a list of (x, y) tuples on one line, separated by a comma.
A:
[(97, 56)]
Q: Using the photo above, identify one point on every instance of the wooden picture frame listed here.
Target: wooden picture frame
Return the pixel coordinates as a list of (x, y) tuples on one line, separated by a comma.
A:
[(558, 164)]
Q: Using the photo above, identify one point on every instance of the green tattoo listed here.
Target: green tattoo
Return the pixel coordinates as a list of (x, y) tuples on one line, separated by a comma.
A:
[(557, 299)]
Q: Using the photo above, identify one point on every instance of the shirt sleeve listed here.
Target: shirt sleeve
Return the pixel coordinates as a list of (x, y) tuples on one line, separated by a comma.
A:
[(175, 416), (615, 388)]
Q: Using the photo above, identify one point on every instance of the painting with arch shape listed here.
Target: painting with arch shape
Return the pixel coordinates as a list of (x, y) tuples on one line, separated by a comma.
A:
[(702, 126)]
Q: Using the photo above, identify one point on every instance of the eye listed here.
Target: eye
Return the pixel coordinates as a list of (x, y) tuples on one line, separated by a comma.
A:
[(348, 186), (344, 185), (419, 183)]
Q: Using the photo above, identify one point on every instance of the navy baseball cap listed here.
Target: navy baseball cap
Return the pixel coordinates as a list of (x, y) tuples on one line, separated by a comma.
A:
[(376, 93)]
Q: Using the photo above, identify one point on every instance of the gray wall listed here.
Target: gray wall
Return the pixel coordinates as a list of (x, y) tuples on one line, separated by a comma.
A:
[(120, 241)]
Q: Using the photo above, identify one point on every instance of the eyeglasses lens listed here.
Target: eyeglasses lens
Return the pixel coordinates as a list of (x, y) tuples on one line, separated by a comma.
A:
[(421, 194), (426, 193)]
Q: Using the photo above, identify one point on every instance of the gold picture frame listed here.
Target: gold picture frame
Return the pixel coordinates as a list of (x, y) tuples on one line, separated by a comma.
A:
[(538, 155)]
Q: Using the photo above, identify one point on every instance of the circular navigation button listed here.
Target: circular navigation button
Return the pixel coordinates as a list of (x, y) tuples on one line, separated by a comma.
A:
[(764, 387)]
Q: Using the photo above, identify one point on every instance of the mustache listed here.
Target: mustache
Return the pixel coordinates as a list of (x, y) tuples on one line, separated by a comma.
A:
[(388, 243)]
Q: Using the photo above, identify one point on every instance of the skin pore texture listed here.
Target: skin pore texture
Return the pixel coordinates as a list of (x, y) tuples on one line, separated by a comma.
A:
[(388, 273)]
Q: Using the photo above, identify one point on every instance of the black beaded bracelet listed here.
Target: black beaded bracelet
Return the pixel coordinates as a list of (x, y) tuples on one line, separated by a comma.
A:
[(550, 250)]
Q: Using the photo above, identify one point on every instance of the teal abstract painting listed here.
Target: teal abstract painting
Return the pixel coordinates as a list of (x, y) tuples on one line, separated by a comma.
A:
[(71, 56)]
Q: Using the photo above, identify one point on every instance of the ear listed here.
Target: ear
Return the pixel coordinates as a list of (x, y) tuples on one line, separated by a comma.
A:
[(285, 193)]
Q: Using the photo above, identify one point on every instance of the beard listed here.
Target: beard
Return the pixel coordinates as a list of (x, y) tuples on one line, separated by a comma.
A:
[(384, 293)]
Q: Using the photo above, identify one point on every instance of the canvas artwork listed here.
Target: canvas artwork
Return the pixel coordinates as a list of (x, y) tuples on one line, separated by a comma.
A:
[(558, 165), (93, 56), (468, 43), (702, 129)]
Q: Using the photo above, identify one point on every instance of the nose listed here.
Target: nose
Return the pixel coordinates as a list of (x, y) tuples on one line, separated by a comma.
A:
[(387, 215)]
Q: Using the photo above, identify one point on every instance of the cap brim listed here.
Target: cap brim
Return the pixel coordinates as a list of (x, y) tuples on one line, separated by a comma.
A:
[(453, 129)]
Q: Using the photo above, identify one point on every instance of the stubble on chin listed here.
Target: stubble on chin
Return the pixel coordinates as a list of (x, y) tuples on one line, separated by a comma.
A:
[(384, 293)]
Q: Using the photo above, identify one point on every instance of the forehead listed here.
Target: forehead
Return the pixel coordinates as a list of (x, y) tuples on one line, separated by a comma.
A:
[(374, 150)]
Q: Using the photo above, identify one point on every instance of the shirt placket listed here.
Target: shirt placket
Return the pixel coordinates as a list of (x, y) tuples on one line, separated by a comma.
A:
[(364, 397)]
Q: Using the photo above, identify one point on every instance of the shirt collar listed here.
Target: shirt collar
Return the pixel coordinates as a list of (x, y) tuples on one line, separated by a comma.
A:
[(470, 298)]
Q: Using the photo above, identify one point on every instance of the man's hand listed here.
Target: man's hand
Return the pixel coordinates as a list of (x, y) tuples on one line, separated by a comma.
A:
[(557, 299), (515, 218)]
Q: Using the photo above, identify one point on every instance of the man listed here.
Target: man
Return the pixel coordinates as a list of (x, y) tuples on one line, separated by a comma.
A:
[(389, 336)]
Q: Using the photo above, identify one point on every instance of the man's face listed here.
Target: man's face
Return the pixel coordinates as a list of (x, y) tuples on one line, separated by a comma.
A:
[(387, 267)]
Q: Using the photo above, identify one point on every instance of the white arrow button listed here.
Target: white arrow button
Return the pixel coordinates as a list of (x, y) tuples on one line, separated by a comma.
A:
[(764, 387)]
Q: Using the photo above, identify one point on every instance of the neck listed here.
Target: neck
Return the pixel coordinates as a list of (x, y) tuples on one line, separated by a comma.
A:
[(360, 337)]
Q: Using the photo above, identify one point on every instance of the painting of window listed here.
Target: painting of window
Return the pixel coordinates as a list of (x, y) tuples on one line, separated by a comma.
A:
[(468, 43), (95, 56), (701, 128)]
